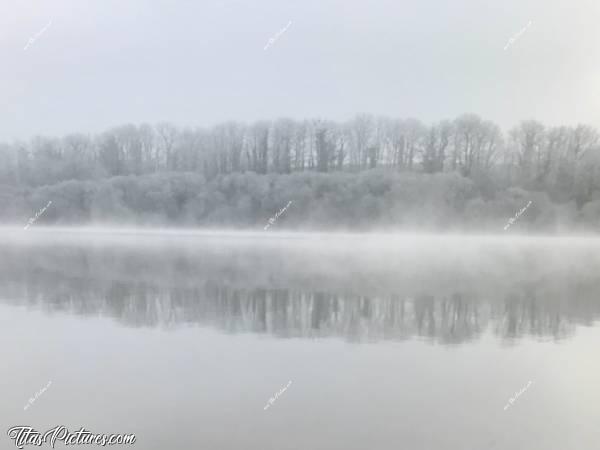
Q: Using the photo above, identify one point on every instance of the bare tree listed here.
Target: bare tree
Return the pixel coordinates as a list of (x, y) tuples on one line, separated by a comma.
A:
[(167, 135), (527, 144), (283, 135), (415, 134), (361, 136)]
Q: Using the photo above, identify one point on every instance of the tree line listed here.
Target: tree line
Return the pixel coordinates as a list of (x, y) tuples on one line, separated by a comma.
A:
[(561, 161)]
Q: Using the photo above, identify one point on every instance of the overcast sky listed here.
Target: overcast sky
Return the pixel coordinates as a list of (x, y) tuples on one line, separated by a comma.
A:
[(102, 63)]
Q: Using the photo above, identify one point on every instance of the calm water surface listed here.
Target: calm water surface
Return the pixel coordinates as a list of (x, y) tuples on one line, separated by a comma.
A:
[(390, 342)]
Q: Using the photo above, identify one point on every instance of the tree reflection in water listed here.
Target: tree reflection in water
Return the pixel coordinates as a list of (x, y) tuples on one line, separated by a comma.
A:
[(169, 289)]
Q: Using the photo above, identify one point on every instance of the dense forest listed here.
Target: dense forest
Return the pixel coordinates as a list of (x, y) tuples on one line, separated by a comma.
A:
[(369, 172)]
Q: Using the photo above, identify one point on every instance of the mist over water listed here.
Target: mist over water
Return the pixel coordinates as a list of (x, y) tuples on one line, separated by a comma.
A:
[(371, 328), (358, 287)]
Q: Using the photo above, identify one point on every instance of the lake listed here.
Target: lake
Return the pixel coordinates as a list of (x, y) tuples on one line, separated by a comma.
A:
[(272, 340)]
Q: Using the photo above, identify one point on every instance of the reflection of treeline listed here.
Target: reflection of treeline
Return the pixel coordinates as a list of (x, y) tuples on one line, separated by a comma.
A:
[(449, 290), (452, 318), (464, 171)]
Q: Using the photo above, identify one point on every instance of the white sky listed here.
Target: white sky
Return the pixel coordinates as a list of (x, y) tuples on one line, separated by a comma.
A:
[(110, 62)]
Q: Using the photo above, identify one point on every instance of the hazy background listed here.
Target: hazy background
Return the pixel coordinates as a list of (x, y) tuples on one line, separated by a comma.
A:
[(104, 63)]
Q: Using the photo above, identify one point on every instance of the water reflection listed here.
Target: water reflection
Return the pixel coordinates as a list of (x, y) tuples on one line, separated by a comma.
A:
[(170, 287)]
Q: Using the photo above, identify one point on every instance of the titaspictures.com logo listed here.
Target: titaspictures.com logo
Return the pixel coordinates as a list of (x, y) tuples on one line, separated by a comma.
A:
[(26, 435)]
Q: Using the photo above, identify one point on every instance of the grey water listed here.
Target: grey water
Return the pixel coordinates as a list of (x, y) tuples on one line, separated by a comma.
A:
[(408, 341)]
